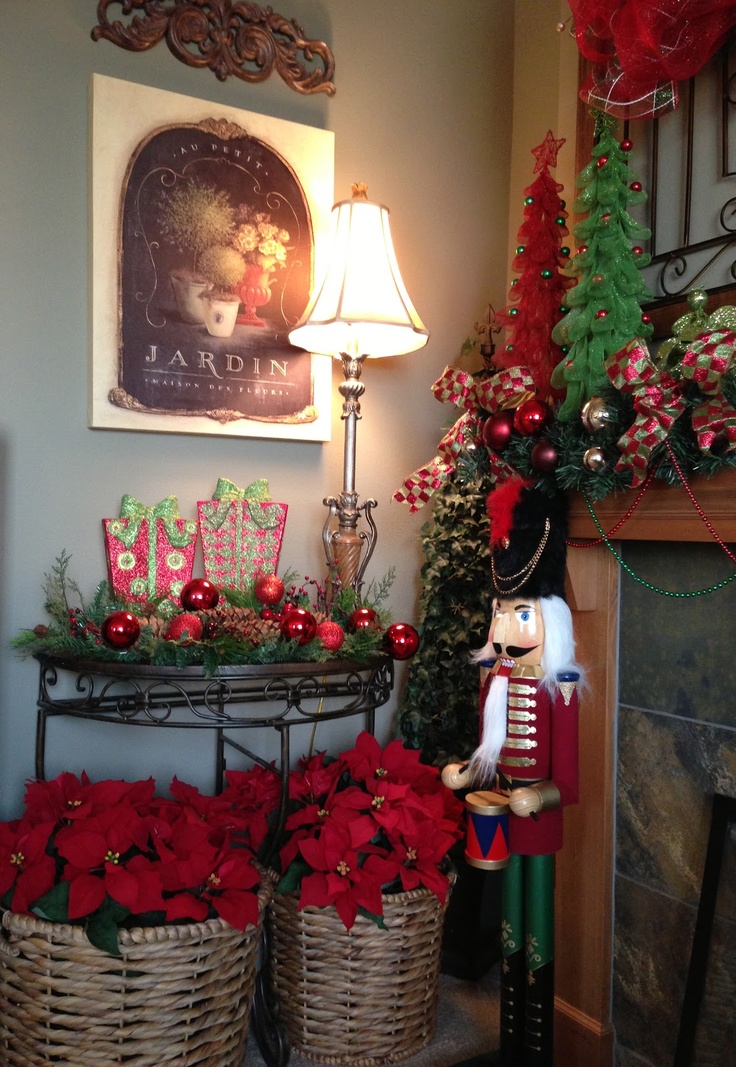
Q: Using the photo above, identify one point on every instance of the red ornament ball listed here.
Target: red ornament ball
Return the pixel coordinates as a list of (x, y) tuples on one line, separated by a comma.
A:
[(601, 161), (606, 218), (363, 619), (635, 187), (497, 430), (269, 589), (544, 457), (601, 313), (626, 145), (646, 319), (199, 595), (637, 250), (186, 626), (597, 279), (120, 630), (299, 625), (331, 634), (530, 417), (401, 640)]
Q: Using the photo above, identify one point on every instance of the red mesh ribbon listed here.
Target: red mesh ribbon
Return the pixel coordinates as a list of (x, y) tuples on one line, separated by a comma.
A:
[(708, 357), (506, 389), (658, 402), (641, 49)]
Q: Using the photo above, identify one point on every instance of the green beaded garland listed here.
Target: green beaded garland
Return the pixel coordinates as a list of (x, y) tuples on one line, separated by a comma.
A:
[(648, 585)]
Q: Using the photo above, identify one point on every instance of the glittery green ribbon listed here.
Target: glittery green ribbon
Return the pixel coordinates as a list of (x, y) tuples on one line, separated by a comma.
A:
[(255, 493), (167, 510)]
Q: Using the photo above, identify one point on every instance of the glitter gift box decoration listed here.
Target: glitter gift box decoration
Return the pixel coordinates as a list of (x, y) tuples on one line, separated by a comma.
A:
[(150, 551), (242, 531)]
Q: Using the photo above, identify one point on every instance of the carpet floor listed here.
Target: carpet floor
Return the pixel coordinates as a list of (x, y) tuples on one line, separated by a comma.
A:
[(467, 1026)]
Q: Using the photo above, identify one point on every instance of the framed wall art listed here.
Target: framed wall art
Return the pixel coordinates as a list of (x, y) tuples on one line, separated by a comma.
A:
[(205, 226)]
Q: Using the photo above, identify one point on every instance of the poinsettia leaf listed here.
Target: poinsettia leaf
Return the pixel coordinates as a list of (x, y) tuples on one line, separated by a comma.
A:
[(102, 927), (54, 905), (377, 919), (291, 880)]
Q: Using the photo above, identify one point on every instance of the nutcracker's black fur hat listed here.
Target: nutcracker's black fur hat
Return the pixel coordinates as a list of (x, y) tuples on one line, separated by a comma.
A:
[(528, 540)]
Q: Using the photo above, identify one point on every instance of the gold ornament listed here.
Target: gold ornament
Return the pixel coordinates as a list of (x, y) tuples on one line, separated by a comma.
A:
[(596, 414), (594, 459)]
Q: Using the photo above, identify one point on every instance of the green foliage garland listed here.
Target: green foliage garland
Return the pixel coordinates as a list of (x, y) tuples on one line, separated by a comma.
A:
[(74, 631)]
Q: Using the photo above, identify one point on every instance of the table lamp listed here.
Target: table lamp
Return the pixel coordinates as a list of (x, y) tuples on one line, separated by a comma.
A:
[(359, 309)]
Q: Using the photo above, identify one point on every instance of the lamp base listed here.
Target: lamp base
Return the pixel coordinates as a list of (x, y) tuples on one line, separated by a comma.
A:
[(344, 546)]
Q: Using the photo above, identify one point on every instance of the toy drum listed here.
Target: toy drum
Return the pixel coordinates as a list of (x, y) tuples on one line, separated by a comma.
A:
[(487, 842)]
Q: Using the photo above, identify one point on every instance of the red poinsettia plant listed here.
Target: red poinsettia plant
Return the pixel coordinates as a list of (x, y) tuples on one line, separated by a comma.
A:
[(371, 821), (113, 854)]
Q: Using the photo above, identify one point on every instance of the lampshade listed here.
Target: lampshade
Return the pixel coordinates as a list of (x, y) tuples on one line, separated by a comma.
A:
[(361, 307)]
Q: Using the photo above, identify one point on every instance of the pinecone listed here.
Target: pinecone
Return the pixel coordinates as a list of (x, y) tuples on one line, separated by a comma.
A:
[(157, 624), (243, 623)]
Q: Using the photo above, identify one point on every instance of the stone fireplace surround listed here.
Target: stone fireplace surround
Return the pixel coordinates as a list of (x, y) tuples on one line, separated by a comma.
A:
[(586, 866)]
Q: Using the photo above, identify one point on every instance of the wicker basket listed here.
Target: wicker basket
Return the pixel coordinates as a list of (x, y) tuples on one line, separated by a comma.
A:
[(365, 996), (180, 994)]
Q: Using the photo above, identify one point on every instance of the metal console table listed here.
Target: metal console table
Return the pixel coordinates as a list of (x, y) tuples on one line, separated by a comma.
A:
[(281, 696)]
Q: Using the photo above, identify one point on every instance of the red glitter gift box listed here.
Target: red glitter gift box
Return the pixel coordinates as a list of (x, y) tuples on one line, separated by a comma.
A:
[(150, 551), (242, 531)]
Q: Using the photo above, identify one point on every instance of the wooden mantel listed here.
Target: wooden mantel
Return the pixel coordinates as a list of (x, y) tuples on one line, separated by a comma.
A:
[(665, 513), (585, 868)]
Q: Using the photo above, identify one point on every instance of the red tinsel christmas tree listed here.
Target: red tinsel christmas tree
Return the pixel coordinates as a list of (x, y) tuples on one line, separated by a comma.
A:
[(538, 294)]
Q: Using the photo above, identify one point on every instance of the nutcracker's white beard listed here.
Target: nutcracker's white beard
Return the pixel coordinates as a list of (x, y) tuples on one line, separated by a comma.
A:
[(482, 766)]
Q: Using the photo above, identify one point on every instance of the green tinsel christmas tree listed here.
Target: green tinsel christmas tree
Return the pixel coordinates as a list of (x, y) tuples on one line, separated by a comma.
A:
[(605, 306)]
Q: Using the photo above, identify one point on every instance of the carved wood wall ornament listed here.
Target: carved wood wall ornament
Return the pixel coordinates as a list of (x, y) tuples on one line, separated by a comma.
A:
[(238, 38)]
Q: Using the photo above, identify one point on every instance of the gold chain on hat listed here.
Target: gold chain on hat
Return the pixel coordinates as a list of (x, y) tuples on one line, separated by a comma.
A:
[(526, 570)]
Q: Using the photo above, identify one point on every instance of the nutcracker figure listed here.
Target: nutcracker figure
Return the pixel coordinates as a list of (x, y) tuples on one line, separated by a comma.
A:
[(527, 758)]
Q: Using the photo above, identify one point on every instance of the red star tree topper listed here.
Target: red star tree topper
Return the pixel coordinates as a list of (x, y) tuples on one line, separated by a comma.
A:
[(538, 295)]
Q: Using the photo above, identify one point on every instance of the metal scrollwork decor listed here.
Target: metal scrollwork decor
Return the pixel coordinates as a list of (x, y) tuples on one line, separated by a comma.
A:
[(228, 36)]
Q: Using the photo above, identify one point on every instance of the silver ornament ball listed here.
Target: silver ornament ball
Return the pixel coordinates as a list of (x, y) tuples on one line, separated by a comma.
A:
[(595, 414), (594, 459)]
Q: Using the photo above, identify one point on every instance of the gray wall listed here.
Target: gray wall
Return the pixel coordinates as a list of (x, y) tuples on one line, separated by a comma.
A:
[(423, 115)]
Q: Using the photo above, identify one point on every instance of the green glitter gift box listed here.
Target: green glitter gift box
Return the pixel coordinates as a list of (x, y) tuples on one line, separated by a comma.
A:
[(242, 531)]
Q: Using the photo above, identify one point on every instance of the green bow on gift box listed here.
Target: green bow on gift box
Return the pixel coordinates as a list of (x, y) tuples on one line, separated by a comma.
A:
[(255, 493), (167, 510)]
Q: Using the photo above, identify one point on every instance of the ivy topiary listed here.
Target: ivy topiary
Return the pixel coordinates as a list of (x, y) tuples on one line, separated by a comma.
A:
[(439, 709)]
